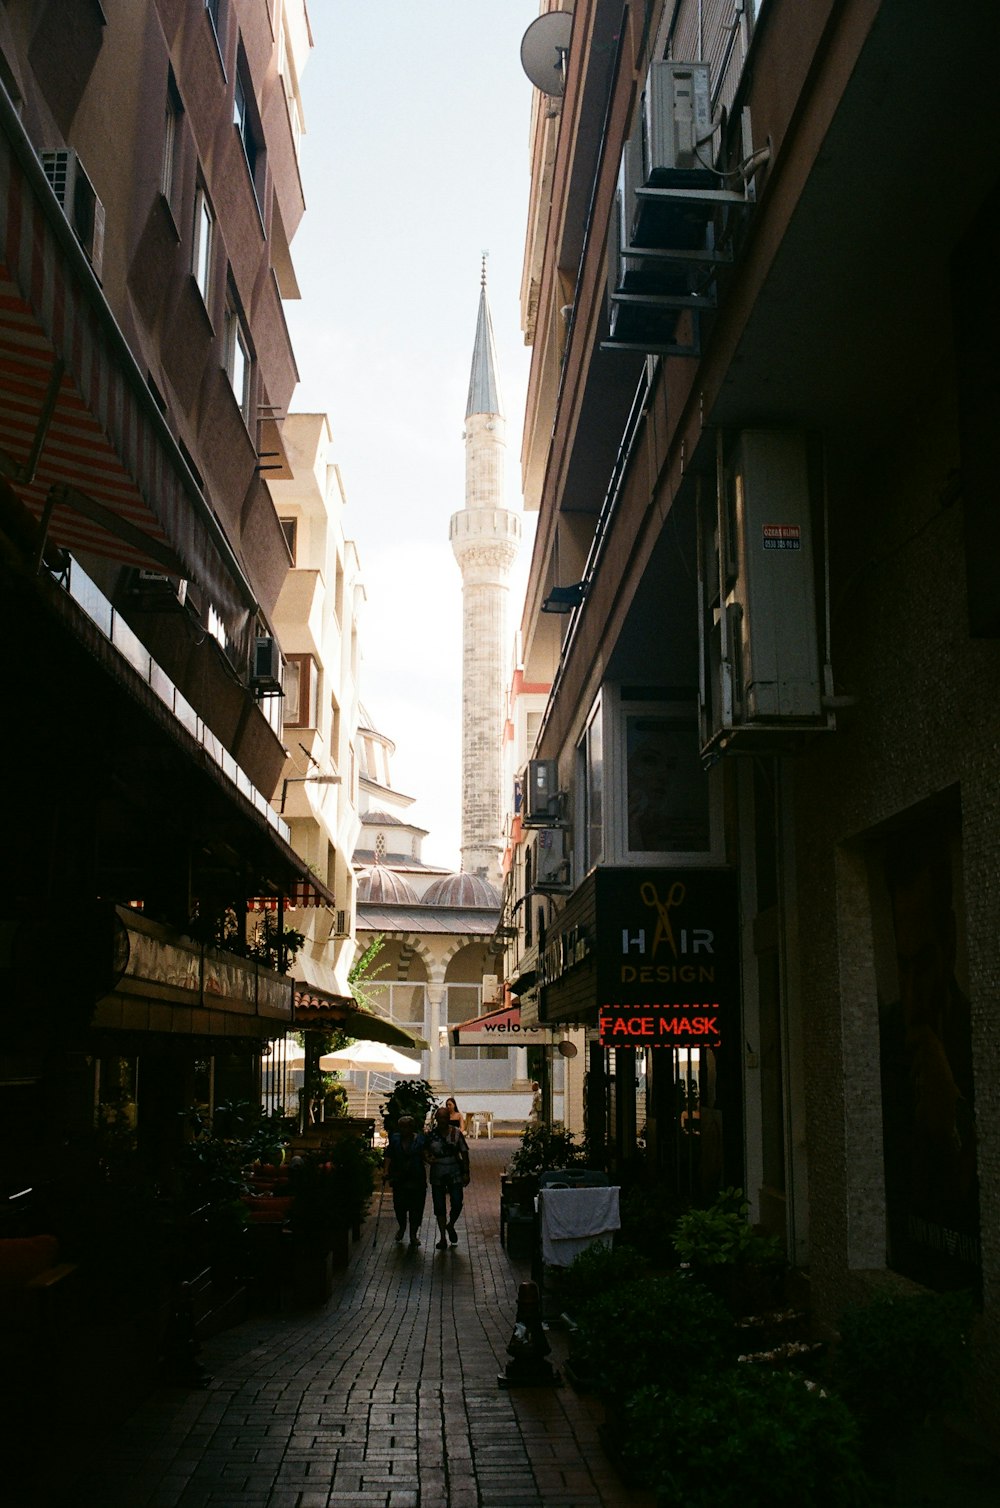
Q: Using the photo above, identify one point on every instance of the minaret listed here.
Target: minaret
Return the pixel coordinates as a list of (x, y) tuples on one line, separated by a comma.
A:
[(485, 538)]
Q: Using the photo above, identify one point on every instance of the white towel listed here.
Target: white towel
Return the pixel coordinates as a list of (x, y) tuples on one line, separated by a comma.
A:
[(573, 1219)]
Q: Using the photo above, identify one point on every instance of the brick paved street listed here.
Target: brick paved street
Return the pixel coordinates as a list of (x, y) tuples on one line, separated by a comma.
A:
[(385, 1397)]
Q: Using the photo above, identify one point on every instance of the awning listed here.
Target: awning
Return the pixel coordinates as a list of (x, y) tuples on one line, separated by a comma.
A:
[(81, 439), (500, 1028), (303, 893), (317, 1008)]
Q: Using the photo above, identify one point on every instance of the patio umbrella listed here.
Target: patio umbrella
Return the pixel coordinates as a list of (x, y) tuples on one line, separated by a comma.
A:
[(288, 1052), (369, 1058)]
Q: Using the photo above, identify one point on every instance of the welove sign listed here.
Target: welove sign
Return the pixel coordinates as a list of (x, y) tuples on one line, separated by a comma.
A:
[(667, 957), (500, 1028)]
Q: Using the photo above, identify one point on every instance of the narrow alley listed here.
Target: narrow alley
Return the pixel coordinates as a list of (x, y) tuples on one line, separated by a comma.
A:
[(387, 1396)]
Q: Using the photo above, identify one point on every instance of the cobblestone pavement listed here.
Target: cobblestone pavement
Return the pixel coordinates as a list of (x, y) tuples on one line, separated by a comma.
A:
[(387, 1396)]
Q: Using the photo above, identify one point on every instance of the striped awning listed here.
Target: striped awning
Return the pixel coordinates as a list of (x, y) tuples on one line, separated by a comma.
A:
[(81, 439)]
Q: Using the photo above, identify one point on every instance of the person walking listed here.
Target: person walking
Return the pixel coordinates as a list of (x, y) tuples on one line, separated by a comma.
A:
[(448, 1157), (405, 1168)]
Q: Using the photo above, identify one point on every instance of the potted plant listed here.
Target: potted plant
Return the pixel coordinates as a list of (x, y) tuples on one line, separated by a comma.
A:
[(744, 1438), (542, 1147), (409, 1097), (725, 1253), (649, 1330)]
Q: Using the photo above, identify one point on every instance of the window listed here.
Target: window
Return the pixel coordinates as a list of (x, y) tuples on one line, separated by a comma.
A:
[(591, 766), (290, 529), (204, 235), (238, 361), (301, 692), (172, 112), (247, 122), (667, 791), (643, 794)]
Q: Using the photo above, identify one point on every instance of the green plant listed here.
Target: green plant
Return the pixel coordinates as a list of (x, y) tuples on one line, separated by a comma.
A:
[(334, 1096), (331, 1189), (597, 1271), (744, 1438), (543, 1146), (661, 1330), (724, 1251), (409, 1097), (721, 1235), (361, 973), (899, 1358), (649, 1217)]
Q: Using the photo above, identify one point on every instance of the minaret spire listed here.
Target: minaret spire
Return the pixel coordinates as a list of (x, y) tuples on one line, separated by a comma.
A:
[(485, 538), (484, 387)]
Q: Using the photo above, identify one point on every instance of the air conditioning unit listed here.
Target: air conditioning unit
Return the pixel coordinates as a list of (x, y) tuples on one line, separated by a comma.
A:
[(541, 793), (80, 204), (491, 986), (677, 125), (761, 650), (552, 870), (155, 586), (265, 675)]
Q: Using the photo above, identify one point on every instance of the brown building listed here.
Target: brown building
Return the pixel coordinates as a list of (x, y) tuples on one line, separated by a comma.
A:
[(764, 588), (149, 190)]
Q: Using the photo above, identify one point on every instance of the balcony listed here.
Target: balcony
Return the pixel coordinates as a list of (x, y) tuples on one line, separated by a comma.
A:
[(173, 984)]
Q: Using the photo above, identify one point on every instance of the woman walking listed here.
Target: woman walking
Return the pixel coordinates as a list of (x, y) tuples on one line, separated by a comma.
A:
[(406, 1171), (448, 1156)]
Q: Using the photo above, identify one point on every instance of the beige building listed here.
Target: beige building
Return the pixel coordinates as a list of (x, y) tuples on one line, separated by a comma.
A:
[(317, 620)]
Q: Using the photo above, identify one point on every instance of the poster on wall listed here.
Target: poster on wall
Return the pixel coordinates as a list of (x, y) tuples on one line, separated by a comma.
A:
[(925, 1050)]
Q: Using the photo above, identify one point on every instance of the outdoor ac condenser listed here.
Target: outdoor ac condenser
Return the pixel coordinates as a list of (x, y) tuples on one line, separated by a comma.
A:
[(266, 666), (774, 591), (551, 863), (677, 125), (79, 202), (541, 796)]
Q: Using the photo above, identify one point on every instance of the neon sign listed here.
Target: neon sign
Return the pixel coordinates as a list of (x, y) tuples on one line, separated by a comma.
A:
[(667, 1024)]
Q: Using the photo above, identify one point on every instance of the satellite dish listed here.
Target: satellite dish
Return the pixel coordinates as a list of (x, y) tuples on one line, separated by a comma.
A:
[(543, 51), (568, 1049)]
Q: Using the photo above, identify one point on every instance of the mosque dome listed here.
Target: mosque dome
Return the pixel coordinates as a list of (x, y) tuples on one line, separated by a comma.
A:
[(461, 890), (380, 885)]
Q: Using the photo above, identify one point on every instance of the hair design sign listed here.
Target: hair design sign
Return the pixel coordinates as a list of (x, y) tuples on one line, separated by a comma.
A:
[(668, 957)]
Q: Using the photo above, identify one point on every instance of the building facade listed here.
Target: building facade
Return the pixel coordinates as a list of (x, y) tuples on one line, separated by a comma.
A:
[(763, 591), (149, 191)]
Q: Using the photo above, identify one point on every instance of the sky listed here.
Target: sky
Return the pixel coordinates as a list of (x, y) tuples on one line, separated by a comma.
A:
[(414, 162)]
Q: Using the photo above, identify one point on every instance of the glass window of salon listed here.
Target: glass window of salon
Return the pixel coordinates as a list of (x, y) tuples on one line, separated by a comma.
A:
[(667, 791)]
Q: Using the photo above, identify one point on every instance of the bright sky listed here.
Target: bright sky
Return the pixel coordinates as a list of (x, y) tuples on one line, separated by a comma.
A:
[(415, 161)]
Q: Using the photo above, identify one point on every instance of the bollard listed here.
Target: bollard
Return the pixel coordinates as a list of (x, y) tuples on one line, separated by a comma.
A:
[(528, 1347)]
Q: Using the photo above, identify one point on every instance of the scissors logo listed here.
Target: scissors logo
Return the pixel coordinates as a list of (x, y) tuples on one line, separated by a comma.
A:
[(664, 926)]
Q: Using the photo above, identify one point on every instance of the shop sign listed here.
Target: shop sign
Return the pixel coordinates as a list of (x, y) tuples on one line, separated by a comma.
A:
[(667, 957)]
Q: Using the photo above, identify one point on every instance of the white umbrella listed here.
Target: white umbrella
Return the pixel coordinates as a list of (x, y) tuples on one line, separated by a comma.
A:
[(369, 1058), (289, 1052)]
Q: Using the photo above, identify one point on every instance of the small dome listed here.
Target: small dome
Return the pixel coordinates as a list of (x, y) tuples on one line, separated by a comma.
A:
[(461, 890), (379, 884)]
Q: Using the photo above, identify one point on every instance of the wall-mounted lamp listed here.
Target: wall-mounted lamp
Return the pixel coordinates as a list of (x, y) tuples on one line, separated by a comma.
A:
[(563, 599)]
